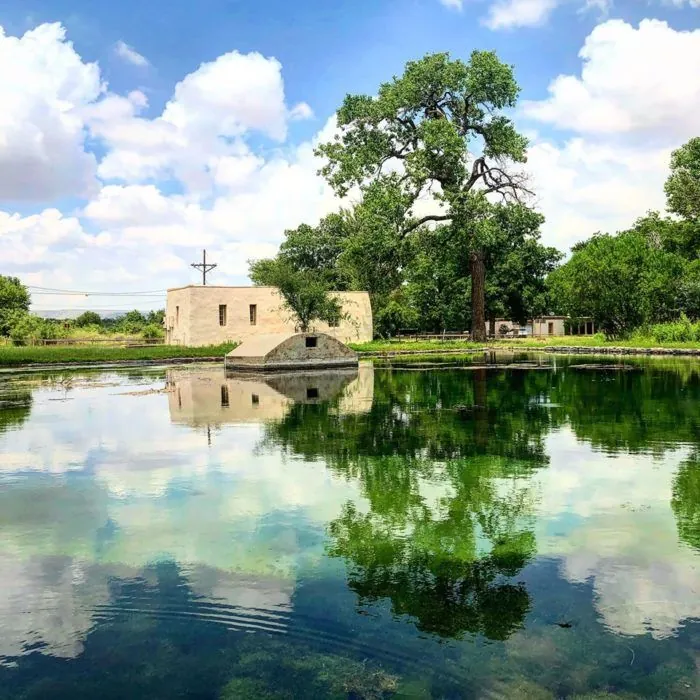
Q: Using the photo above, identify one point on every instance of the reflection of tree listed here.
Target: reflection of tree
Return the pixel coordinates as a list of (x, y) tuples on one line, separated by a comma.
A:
[(468, 435), (686, 501), (648, 410), (15, 407)]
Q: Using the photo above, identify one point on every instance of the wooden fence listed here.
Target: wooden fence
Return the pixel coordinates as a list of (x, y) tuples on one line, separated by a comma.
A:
[(118, 342)]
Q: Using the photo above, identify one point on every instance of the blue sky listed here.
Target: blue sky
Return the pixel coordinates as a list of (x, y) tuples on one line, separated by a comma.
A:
[(589, 134)]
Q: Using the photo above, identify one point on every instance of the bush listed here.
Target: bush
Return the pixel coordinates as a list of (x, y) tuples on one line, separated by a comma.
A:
[(681, 331), (152, 331), (26, 327), (89, 318)]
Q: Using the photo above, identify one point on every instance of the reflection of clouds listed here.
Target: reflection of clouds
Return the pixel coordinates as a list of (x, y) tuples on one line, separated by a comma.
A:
[(165, 489), (51, 603), (46, 602), (610, 520)]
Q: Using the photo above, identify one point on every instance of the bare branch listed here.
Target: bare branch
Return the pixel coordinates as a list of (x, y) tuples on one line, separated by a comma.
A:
[(424, 220)]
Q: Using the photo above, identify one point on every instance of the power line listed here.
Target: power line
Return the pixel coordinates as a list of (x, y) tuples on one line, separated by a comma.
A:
[(59, 292), (204, 267), (95, 294)]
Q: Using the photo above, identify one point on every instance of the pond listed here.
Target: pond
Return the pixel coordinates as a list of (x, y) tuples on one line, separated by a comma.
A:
[(499, 527)]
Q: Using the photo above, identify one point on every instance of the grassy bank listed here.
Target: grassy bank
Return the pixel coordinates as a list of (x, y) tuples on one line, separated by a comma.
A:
[(596, 341), (12, 356)]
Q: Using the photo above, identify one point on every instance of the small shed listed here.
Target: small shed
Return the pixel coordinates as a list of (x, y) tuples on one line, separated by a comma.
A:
[(301, 351)]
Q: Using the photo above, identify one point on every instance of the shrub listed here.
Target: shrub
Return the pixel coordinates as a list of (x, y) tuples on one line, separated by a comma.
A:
[(152, 331), (681, 331), (26, 327)]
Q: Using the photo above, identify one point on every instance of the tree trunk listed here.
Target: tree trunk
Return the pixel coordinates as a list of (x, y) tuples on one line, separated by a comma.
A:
[(492, 327), (478, 273)]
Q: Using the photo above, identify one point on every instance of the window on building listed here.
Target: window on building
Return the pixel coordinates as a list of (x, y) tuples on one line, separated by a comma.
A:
[(224, 396), (550, 328), (311, 341), (333, 324), (222, 314), (253, 314), (312, 393), (255, 399), (177, 315), (589, 328)]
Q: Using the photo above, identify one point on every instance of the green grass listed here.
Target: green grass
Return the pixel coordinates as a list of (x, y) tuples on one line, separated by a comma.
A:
[(12, 356), (437, 346)]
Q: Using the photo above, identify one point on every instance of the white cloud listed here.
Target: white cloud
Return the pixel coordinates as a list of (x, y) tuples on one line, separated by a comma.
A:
[(43, 85), (506, 14), (511, 14), (633, 102), (129, 54), (192, 177), (634, 81)]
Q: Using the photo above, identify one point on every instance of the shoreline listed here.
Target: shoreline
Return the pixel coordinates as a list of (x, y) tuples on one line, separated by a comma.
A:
[(378, 354)]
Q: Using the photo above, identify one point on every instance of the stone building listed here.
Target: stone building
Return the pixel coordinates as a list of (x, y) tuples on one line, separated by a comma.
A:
[(284, 351), (544, 326), (197, 315)]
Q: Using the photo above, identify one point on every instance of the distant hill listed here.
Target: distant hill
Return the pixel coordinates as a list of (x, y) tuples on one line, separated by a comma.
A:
[(74, 313)]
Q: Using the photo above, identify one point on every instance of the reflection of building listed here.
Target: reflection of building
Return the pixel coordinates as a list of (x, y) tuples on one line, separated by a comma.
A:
[(201, 397), (213, 315)]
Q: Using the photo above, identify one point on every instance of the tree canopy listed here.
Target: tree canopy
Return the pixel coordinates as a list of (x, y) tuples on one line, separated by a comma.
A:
[(417, 138), (683, 185), (14, 299), (305, 292)]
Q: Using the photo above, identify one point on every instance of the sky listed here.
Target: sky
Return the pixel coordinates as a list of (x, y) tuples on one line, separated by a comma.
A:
[(135, 134)]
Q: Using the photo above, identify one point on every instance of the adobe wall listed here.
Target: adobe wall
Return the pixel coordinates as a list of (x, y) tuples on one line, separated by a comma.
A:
[(202, 326)]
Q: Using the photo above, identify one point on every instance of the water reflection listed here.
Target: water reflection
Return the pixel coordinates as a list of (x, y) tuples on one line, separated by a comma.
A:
[(373, 529), (199, 397)]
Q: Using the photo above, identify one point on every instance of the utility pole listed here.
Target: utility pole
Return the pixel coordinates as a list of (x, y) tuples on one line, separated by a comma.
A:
[(204, 267)]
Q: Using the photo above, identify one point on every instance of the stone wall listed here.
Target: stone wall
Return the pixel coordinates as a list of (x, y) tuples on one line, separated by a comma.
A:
[(200, 324)]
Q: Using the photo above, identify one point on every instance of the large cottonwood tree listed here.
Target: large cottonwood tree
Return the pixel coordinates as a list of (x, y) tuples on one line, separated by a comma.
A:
[(438, 131)]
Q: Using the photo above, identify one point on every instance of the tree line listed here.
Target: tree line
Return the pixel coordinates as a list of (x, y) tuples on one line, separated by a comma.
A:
[(444, 235), (22, 326)]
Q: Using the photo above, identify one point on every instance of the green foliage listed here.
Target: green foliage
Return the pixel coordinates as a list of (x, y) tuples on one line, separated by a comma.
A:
[(305, 292), (427, 119), (620, 281), (153, 331), (683, 184), (317, 249), (26, 328), (155, 317), (14, 297), (88, 318), (425, 124), (681, 331)]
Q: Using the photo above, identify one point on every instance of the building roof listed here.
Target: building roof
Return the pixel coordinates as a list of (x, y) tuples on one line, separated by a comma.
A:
[(247, 286), (260, 345)]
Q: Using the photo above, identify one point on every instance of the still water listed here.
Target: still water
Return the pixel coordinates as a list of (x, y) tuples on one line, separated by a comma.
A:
[(425, 530)]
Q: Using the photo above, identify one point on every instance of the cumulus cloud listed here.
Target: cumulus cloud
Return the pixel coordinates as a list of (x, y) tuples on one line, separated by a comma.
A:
[(634, 81), (512, 14), (195, 175), (631, 104), (129, 54), (44, 84), (506, 14)]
